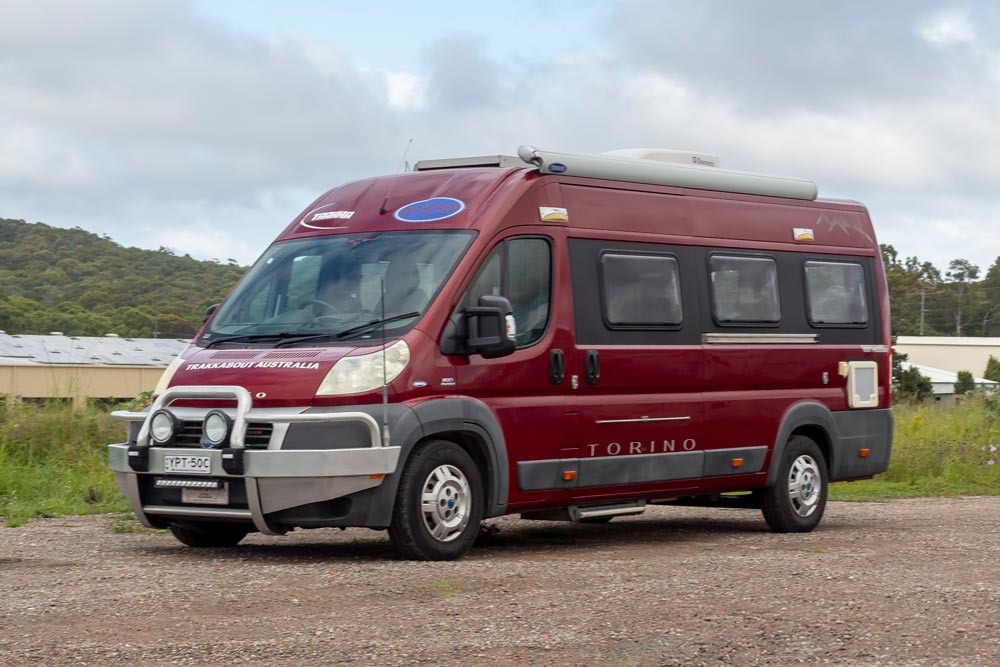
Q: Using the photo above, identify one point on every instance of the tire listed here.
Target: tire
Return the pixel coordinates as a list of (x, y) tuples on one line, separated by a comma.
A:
[(439, 503), (796, 502), (205, 535)]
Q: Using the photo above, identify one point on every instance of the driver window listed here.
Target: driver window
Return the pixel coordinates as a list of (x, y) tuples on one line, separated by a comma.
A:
[(487, 281), (519, 269)]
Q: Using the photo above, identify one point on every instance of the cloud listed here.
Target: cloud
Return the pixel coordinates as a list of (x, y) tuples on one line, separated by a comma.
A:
[(145, 109), (156, 126), (461, 76), (949, 28), (798, 54)]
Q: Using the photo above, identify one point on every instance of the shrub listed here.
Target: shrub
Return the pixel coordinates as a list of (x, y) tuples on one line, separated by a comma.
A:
[(965, 384)]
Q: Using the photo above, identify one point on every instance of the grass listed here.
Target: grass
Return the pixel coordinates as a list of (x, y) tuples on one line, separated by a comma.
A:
[(53, 462), (937, 451), (53, 459)]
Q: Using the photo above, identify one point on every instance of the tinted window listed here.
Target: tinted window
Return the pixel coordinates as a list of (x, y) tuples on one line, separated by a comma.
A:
[(521, 270), (640, 290), (528, 276), (835, 293), (744, 289), (327, 284)]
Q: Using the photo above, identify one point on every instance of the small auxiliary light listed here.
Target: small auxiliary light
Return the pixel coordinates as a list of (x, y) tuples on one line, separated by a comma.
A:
[(863, 452), (737, 463), (569, 475), (215, 429), (163, 426)]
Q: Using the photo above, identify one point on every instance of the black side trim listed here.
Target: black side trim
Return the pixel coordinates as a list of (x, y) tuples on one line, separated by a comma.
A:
[(720, 461), (637, 469), (862, 429)]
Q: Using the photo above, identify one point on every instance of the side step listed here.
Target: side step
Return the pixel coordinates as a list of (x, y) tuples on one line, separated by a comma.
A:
[(575, 513)]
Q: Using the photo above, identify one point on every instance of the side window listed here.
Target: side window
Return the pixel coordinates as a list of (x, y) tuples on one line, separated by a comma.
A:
[(640, 291), (835, 293), (744, 290), (487, 281), (521, 270)]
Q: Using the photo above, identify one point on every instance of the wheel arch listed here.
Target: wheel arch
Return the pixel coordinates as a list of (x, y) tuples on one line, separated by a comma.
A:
[(813, 420), (468, 423), (476, 444)]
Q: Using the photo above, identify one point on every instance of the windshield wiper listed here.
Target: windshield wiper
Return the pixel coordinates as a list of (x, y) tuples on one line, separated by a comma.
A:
[(295, 339), (361, 328), (287, 338), (249, 338)]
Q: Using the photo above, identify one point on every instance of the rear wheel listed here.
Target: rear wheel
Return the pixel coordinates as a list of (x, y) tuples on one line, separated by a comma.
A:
[(439, 504), (796, 502), (205, 534)]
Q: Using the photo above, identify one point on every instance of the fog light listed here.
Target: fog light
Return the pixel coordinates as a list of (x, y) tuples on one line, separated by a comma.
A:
[(163, 426), (215, 429)]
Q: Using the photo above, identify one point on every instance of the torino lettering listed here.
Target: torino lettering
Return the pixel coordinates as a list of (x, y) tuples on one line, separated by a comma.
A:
[(637, 447)]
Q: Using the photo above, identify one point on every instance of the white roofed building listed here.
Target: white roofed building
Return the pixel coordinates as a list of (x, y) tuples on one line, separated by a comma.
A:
[(55, 366), (949, 353), (943, 382)]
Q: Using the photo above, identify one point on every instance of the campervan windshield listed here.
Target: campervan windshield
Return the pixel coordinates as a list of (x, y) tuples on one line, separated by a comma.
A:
[(326, 289)]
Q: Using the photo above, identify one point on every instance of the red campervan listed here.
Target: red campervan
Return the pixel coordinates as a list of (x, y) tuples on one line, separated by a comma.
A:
[(563, 336)]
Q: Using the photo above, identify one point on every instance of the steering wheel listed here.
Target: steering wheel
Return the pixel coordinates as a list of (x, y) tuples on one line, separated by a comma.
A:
[(330, 310)]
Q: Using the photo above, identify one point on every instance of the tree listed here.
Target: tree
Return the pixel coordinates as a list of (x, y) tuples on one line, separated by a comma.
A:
[(909, 384), (83, 284), (911, 282), (965, 383), (961, 272), (992, 371), (988, 301)]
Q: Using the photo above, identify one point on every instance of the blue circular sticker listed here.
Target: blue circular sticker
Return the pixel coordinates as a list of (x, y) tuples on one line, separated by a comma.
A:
[(557, 167), (429, 210)]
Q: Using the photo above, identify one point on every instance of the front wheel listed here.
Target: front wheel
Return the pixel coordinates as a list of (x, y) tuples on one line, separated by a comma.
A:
[(795, 503), (206, 534), (439, 504)]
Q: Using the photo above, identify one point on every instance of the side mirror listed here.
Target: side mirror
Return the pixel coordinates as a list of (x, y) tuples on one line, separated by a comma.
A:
[(209, 311), (491, 327)]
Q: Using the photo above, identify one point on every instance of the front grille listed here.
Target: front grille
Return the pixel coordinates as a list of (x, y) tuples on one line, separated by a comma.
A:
[(293, 354), (258, 435), (235, 354)]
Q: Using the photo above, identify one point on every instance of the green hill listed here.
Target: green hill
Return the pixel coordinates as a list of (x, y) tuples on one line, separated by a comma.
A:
[(82, 284)]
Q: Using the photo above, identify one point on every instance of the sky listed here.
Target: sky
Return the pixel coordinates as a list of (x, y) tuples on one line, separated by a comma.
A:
[(206, 126)]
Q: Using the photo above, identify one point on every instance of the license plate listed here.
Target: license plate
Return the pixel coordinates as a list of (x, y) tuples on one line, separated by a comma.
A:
[(206, 496), (199, 465)]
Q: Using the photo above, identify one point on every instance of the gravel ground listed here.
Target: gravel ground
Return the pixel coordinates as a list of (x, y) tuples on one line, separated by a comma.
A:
[(906, 583)]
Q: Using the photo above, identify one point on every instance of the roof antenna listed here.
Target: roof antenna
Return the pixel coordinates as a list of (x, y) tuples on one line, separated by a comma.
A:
[(382, 209)]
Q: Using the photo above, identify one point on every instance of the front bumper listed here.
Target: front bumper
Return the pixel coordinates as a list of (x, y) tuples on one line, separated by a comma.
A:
[(274, 479)]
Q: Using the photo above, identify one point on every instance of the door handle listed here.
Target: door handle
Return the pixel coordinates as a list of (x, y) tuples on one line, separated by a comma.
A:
[(593, 367), (557, 366)]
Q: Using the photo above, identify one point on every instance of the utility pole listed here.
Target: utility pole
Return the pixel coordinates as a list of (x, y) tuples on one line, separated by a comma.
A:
[(921, 311)]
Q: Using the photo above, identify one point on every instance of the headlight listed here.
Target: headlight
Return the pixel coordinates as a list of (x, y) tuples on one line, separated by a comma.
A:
[(168, 375), (215, 429), (162, 427), (364, 372)]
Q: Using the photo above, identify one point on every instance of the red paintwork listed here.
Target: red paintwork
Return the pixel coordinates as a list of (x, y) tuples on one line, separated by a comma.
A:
[(734, 395)]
